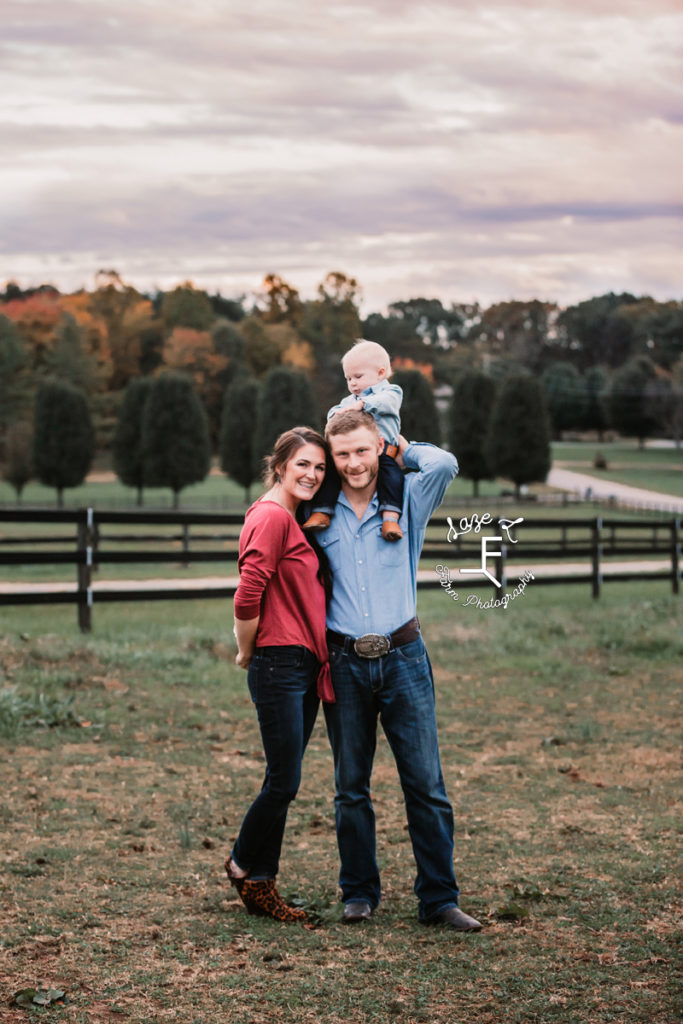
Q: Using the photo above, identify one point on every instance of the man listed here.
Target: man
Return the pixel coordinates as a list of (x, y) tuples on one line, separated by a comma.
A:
[(380, 668)]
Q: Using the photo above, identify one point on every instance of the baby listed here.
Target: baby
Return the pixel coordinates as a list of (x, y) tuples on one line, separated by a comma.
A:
[(367, 368)]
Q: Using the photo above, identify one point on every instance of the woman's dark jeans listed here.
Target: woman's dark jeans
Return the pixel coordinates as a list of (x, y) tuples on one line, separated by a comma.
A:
[(283, 686)]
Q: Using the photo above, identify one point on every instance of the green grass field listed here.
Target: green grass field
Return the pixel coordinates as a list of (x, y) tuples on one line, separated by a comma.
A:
[(215, 492), (657, 469), (124, 785)]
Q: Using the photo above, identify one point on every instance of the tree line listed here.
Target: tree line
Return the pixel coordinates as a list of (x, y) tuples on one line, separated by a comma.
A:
[(165, 381)]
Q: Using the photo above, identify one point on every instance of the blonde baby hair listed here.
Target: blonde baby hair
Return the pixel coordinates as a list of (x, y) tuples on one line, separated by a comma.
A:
[(377, 356)]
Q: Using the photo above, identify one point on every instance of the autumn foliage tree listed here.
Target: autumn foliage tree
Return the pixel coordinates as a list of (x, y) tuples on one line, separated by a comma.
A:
[(194, 352), (187, 306), (125, 314), (68, 359), (331, 322), (36, 317), (279, 301)]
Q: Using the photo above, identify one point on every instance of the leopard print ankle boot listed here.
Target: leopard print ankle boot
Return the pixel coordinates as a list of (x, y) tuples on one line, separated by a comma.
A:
[(236, 880), (262, 899)]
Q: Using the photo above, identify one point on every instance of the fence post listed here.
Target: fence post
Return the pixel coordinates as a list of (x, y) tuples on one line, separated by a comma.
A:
[(186, 545), (84, 573), (95, 546), (500, 573), (675, 555), (596, 550)]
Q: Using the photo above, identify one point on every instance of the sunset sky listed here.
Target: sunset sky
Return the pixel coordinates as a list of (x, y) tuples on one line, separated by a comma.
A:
[(463, 150)]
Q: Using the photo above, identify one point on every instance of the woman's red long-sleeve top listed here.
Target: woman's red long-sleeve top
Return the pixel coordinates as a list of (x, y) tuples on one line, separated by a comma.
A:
[(279, 583)]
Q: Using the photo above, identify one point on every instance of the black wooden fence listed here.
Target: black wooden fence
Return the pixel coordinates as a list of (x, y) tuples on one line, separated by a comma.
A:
[(95, 542)]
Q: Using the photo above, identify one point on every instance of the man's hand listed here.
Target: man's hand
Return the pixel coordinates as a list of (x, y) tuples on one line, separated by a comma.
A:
[(402, 445)]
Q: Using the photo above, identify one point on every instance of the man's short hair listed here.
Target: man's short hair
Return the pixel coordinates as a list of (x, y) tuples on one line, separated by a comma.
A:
[(351, 419)]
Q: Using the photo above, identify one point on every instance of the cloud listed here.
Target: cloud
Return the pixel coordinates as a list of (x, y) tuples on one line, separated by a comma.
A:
[(411, 141)]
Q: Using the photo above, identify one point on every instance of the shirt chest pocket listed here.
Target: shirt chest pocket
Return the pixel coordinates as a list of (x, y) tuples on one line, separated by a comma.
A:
[(392, 555)]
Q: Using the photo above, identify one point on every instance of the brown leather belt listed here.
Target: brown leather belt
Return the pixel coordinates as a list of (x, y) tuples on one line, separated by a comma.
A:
[(375, 645)]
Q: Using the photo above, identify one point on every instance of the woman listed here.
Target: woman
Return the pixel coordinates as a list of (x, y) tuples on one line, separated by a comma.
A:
[(280, 632)]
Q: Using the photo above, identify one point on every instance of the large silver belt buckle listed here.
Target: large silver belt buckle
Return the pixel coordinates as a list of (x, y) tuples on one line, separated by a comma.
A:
[(371, 645)]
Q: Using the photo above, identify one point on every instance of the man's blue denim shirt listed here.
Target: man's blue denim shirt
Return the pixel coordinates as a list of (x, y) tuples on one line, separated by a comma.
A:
[(374, 586)]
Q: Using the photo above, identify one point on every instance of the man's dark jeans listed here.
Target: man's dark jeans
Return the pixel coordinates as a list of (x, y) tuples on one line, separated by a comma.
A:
[(399, 687)]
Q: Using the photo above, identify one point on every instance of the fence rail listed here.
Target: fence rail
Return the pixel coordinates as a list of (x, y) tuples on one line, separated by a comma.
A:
[(592, 539)]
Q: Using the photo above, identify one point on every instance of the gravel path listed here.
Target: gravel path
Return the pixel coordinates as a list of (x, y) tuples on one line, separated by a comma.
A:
[(512, 572), (582, 483)]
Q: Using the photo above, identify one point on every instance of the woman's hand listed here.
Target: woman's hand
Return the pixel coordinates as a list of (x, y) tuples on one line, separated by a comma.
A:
[(245, 634)]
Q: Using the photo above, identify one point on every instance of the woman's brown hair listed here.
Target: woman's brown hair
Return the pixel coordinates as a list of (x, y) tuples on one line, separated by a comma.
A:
[(286, 446)]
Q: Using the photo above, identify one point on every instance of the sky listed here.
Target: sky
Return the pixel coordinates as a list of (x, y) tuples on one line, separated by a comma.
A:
[(467, 151)]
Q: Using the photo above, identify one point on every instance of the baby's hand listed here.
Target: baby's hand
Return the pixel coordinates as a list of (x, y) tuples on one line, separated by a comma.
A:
[(359, 405)]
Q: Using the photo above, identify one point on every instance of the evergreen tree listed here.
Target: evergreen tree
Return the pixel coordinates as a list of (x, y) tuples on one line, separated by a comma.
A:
[(470, 415), (14, 396), (663, 404), (595, 413), (18, 468), (286, 400), (127, 443), (175, 435), (565, 394), (238, 432), (630, 411), (518, 444), (63, 437), (419, 415)]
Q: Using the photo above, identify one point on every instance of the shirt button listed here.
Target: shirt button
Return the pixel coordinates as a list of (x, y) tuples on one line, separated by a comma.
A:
[(362, 588), (360, 561)]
